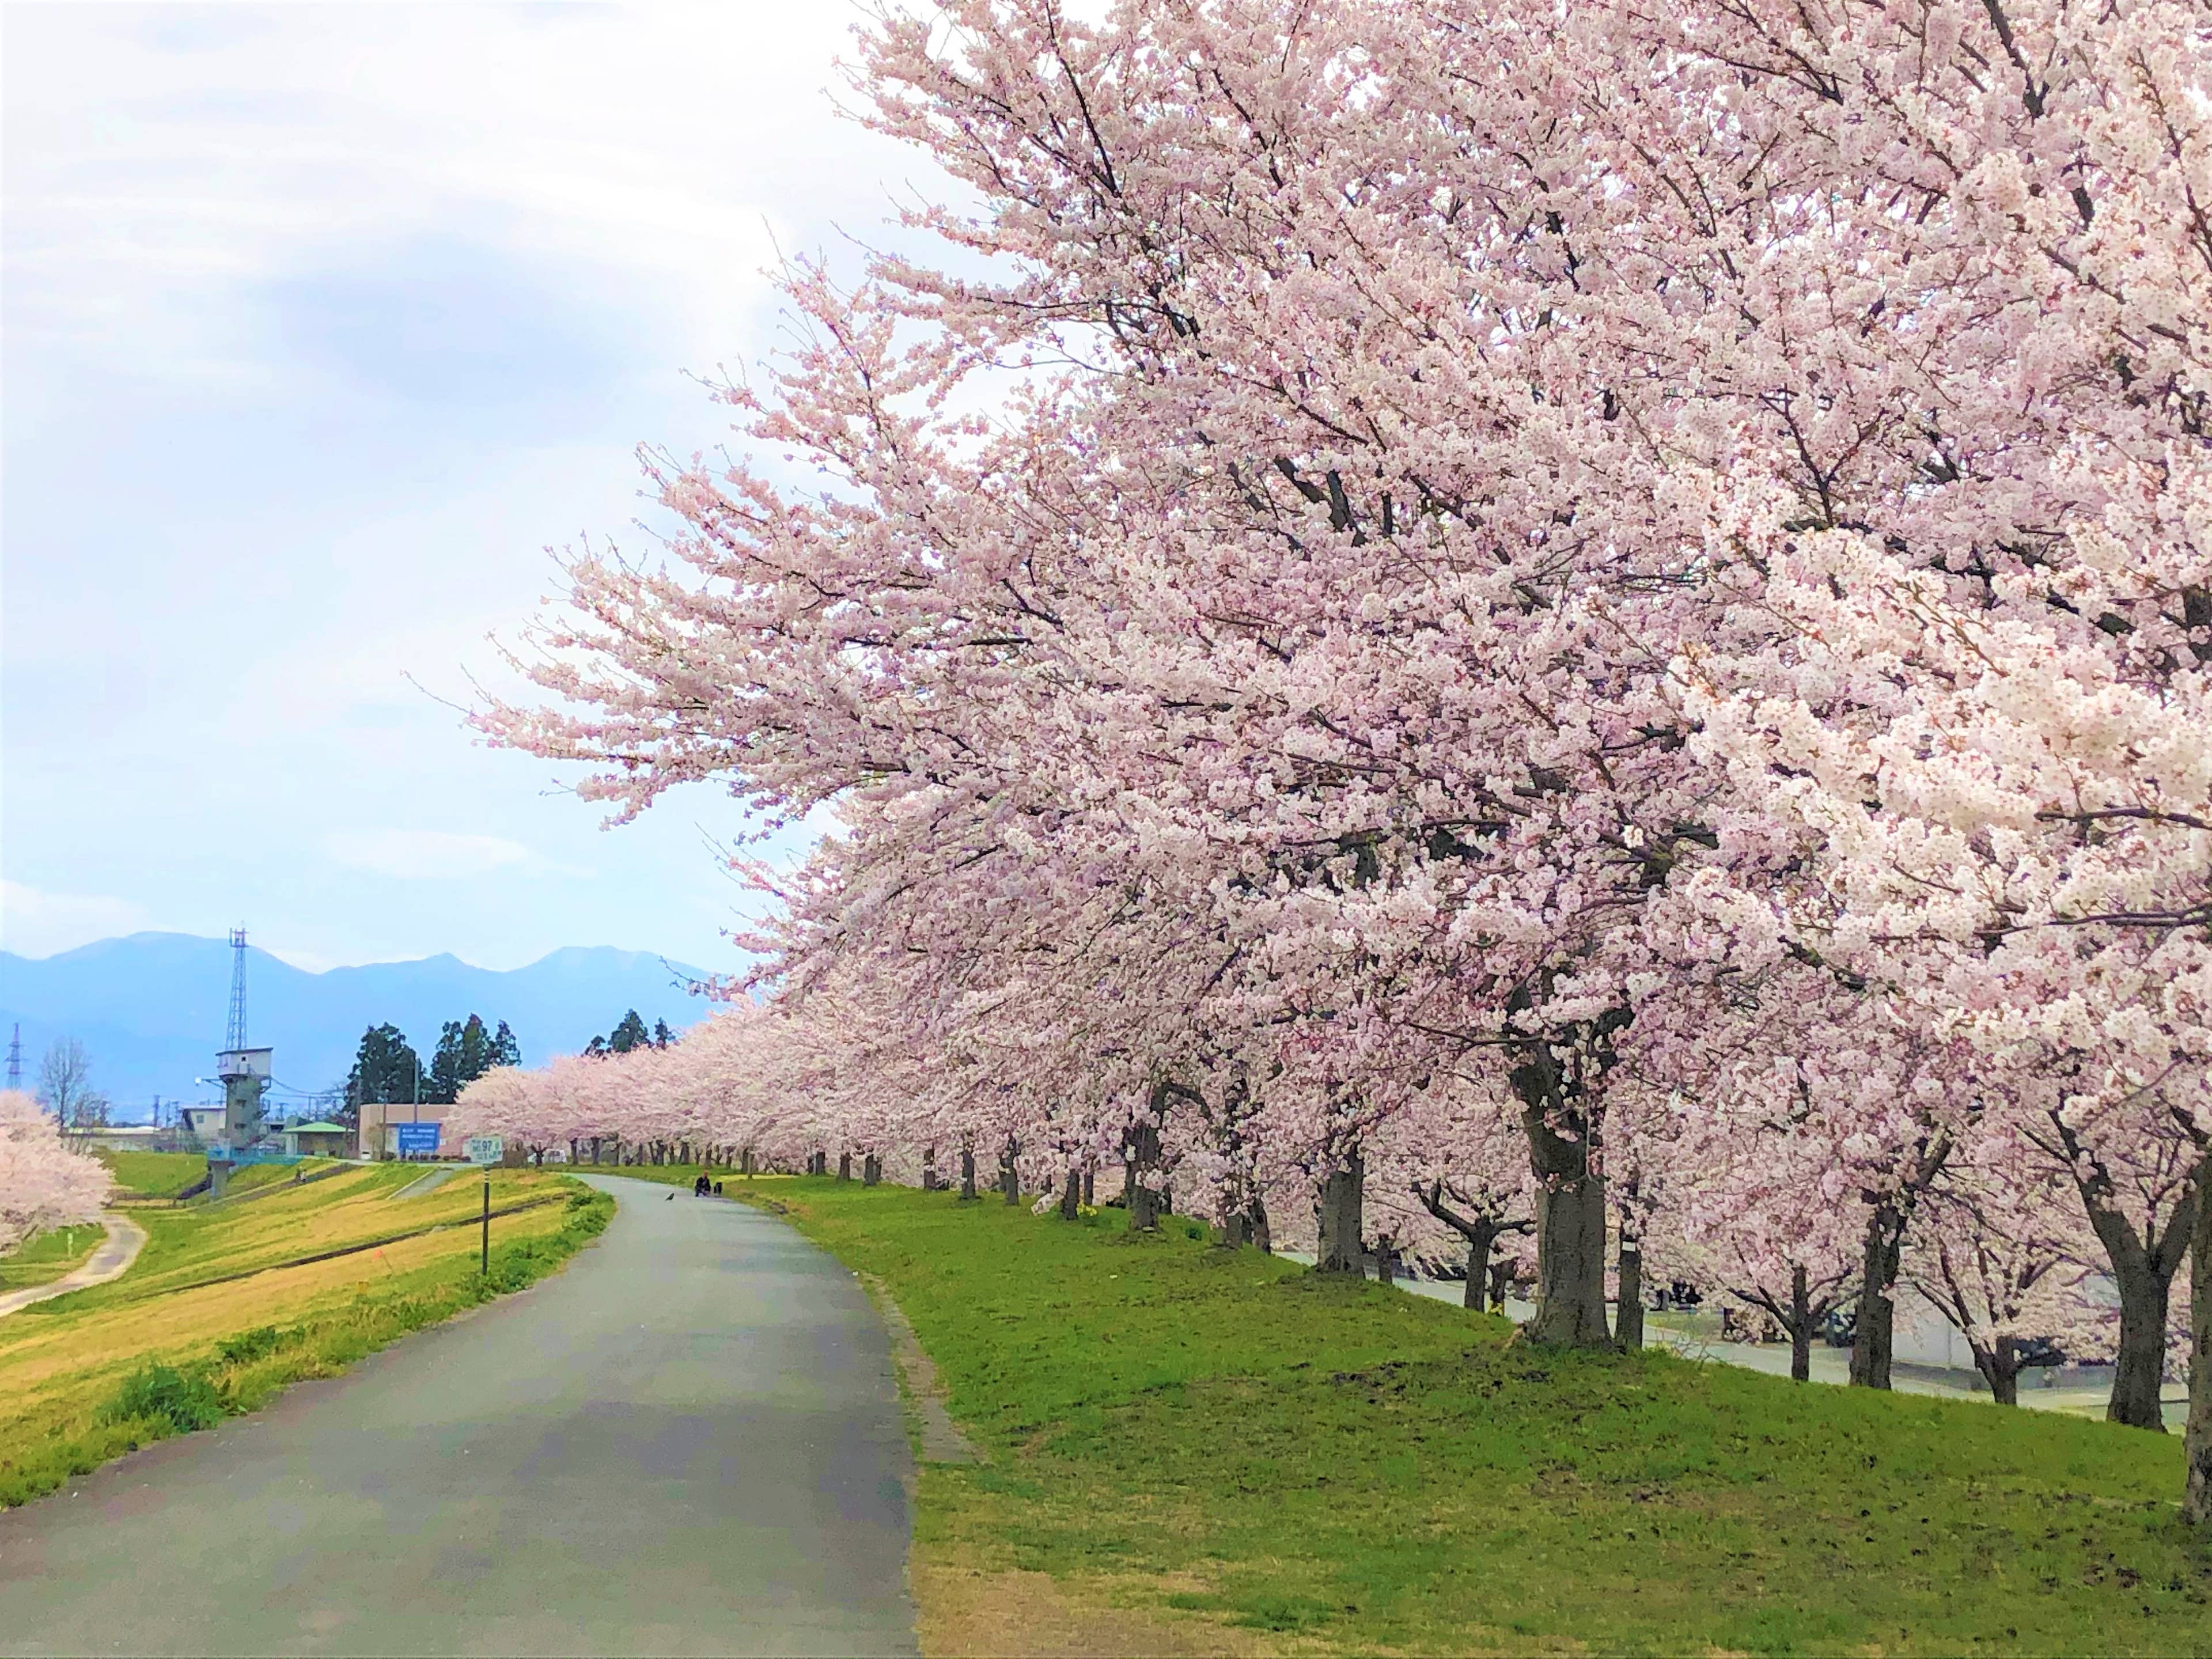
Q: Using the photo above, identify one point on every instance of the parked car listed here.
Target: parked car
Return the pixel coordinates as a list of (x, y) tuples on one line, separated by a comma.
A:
[(1841, 1327)]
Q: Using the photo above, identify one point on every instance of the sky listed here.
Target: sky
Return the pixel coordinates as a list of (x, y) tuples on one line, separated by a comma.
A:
[(322, 323)]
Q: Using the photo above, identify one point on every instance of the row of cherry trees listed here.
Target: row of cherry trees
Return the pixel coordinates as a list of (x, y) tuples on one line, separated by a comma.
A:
[(1591, 620), (44, 1181)]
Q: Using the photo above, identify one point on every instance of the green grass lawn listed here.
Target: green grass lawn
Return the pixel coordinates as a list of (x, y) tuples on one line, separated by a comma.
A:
[(1222, 1437), (44, 1257), (152, 1175)]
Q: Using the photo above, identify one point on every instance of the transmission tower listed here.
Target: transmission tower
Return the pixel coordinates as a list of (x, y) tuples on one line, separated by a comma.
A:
[(235, 1040), (245, 1073), (15, 1059)]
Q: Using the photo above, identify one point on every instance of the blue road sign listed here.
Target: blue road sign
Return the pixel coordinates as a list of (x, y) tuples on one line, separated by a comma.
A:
[(417, 1139)]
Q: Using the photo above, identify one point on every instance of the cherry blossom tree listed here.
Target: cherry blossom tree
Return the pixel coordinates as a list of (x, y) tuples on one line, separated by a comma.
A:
[(1412, 544), (43, 1183)]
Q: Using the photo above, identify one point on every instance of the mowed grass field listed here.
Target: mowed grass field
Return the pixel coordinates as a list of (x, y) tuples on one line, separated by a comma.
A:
[(1194, 1449), (65, 1364)]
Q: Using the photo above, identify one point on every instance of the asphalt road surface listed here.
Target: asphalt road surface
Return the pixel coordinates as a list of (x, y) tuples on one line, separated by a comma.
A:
[(687, 1442)]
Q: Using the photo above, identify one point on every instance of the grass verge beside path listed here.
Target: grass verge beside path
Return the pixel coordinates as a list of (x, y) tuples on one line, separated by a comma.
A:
[(103, 1372), (1242, 1456)]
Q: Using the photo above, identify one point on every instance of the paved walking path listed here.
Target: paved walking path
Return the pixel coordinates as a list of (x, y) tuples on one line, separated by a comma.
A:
[(687, 1442), (125, 1238), (430, 1182)]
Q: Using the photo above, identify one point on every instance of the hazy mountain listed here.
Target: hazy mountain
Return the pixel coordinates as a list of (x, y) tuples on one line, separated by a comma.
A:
[(150, 1009)]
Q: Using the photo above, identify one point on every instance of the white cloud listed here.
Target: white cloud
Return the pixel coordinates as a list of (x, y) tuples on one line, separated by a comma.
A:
[(323, 322), (40, 924), (427, 855), (671, 142)]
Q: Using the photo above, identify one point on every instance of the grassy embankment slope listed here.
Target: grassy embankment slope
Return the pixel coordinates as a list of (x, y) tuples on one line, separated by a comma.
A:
[(1237, 1453), (221, 1311), (143, 1176)]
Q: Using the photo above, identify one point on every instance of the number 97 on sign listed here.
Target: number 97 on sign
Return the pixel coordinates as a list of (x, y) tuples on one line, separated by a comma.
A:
[(486, 1149)]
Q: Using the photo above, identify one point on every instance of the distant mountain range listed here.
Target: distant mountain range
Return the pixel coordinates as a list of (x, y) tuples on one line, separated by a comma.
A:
[(150, 1009)]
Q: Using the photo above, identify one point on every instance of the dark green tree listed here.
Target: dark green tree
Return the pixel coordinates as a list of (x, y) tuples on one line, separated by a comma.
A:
[(385, 1068), (662, 1036), (505, 1050), (466, 1051), (630, 1033)]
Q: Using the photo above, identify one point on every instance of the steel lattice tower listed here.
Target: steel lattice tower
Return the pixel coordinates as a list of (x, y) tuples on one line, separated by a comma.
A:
[(15, 1059), (236, 1037)]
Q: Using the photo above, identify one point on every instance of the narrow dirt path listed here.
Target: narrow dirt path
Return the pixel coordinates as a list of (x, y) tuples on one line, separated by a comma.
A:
[(125, 1238)]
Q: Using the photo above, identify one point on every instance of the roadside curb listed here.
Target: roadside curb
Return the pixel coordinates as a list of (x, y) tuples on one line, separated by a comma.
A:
[(940, 1440)]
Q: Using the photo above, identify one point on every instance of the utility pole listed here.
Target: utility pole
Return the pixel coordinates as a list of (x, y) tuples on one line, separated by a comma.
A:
[(16, 1058)]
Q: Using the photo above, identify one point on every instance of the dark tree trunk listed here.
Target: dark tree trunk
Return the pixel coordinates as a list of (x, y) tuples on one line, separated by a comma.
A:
[(1800, 1327), (1480, 1231), (1236, 1230), (844, 1166), (2000, 1368), (871, 1170), (745, 1165), (1570, 1211), (1628, 1303), (2139, 1372), (1144, 1210), (1090, 1188), (1570, 1264), (1010, 1175), (1141, 1154), (968, 1175), (1263, 1238), (1070, 1190), (1386, 1262), (1343, 1196), (2142, 1268), (1871, 1346), (2196, 1436), (1501, 1284), (929, 1169)]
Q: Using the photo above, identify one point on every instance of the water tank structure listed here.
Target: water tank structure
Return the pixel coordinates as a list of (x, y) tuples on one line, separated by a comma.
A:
[(245, 1071)]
